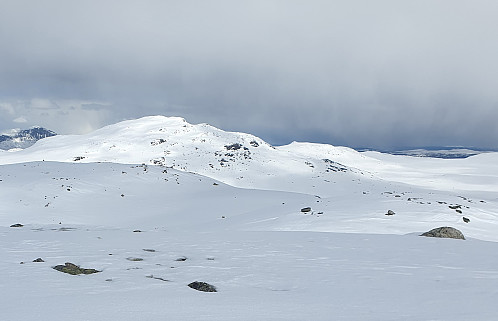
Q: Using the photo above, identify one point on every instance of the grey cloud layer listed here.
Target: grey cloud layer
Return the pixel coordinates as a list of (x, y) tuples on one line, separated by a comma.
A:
[(359, 73)]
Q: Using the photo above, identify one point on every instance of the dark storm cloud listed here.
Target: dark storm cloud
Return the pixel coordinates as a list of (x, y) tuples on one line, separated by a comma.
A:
[(357, 73)]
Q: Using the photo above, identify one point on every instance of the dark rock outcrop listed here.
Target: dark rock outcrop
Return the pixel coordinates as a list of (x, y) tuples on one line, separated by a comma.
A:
[(17, 225), (235, 146), (202, 286), (73, 269)]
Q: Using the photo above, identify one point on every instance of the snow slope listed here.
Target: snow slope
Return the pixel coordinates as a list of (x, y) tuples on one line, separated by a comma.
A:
[(230, 205), (259, 275), (203, 149), (238, 159)]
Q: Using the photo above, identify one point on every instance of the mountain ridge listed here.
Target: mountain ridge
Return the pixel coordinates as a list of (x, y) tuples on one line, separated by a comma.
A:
[(239, 159), (24, 138), (245, 160)]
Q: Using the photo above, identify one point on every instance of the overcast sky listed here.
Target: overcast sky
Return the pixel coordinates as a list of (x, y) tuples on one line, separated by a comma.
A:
[(360, 73)]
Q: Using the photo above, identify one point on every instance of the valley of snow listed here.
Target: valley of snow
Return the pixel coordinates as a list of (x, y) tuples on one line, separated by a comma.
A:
[(230, 205)]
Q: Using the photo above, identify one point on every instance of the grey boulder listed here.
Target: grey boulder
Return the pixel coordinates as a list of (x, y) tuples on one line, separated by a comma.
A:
[(445, 232)]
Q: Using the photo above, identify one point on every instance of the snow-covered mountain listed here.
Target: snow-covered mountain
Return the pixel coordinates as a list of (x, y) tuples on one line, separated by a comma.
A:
[(244, 160), (296, 232), (238, 159), (24, 138), (343, 181)]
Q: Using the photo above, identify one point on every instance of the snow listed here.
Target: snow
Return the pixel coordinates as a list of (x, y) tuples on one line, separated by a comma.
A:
[(240, 227), (259, 275)]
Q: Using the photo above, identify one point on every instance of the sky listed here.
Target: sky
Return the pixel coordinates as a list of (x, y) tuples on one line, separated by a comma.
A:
[(380, 74)]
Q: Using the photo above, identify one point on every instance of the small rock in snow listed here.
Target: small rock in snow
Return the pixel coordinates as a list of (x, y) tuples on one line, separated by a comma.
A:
[(73, 269), (202, 286), (134, 259), (17, 225)]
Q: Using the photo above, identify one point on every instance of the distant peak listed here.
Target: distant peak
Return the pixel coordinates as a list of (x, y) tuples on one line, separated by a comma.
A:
[(23, 138)]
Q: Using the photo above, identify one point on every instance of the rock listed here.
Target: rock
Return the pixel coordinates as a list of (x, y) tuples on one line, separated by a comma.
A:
[(306, 209), (445, 232), (202, 286), (390, 212), (235, 146), (73, 269), (134, 259), (17, 225), (38, 260), (466, 220)]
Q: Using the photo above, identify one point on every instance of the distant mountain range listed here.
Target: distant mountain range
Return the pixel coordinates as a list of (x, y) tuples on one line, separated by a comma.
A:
[(447, 153), (444, 152), (244, 160), (23, 138)]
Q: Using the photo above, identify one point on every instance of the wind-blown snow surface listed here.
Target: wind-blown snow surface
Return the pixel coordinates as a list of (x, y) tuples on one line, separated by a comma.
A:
[(230, 204)]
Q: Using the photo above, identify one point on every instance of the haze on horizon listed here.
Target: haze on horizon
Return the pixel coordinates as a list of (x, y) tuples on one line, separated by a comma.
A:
[(381, 74)]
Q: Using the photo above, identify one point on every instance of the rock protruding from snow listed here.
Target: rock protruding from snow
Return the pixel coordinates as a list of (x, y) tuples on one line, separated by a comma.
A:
[(202, 286), (17, 225), (445, 232), (73, 269)]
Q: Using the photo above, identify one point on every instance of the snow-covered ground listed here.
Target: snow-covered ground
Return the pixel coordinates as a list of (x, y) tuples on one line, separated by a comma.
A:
[(230, 204)]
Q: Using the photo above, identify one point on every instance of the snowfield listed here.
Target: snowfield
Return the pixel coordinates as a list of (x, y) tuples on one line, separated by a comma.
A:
[(157, 203)]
